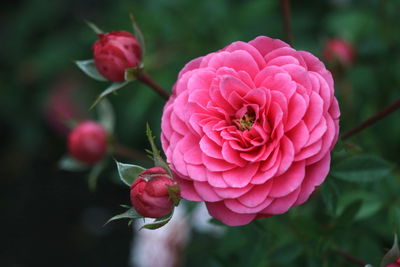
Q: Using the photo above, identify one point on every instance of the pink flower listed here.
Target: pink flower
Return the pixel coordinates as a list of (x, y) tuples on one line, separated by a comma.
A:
[(88, 142), (149, 194), (338, 51), (249, 129), (114, 52)]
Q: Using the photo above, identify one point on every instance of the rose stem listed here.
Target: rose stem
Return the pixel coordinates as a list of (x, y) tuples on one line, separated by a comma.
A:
[(287, 25), (146, 79), (350, 257), (381, 114), (126, 152)]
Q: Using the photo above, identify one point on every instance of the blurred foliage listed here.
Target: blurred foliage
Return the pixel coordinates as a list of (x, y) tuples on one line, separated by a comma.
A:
[(49, 216)]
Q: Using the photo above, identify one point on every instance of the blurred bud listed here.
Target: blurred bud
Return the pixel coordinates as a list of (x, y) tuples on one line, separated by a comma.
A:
[(394, 264), (88, 142), (114, 52), (338, 51), (149, 193)]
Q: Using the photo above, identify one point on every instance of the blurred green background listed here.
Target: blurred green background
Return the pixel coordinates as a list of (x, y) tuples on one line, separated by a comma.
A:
[(49, 217)]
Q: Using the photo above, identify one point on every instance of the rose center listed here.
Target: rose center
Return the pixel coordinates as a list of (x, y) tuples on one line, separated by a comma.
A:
[(247, 121)]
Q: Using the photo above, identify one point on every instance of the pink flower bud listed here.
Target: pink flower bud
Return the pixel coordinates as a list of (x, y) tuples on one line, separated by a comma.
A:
[(88, 142), (114, 52), (149, 193), (338, 51)]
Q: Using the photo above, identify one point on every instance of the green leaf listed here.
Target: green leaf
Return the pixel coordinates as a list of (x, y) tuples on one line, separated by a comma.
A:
[(128, 172), (349, 213), (106, 115), (362, 168), (132, 73), (329, 194), (94, 174), (392, 255), (69, 164), (157, 223), (174, 193), (112, 88), (94, 27), (158, 160), (89, 68), (138, 34), (129, 214)]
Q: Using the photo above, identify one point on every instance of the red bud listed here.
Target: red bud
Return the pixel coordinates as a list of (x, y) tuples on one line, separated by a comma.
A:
[(88, 142), (114, 52), (338, 51), (149, 193)]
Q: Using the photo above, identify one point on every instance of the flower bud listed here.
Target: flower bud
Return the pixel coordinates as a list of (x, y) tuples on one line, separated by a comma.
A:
[(338, 51), (114, 52), (149, 193), (88, 142)]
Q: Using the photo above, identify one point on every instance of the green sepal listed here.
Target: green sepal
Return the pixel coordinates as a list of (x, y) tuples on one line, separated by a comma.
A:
[(132, 73), (138, 34), (128, 172), (155, 153), (392, 255), (174, 193), (94, 27), (129, 214), (106, 116), (89, 68), (158, 223), (67, 163), (112, 88), (94, 174)]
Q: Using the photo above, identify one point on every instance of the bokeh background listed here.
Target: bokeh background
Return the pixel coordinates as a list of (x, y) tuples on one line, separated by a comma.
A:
[(48, 217)]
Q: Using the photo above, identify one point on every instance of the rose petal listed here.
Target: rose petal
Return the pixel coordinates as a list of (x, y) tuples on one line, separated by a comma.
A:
[(219, 211)]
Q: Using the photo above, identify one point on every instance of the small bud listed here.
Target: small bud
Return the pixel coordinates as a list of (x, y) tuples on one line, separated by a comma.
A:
[(88, 142), (149, 193), (114, 52), (338, 51)]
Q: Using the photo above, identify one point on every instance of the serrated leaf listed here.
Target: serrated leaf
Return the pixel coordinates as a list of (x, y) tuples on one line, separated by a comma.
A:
[(128, 172), (106, 115), (174, 193), (94, 175), (392, 255), (138, 34), (112, 88), (157, 223), (69, 164), (89, 68), (129, 214), (158, 160), (132, 73), (94, 27), (361, 169)]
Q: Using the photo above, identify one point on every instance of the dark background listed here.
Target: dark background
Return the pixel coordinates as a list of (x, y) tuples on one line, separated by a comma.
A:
[(48, 217)]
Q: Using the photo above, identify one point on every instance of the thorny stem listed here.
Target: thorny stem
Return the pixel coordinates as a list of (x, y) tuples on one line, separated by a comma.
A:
[(350, 257), (146, 79), (381, 114), (287, 25)]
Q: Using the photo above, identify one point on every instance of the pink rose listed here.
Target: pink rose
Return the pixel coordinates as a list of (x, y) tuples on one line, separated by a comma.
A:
[(114, 52), (149, 194), (88, 142), (338, 51), (249, 129)]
